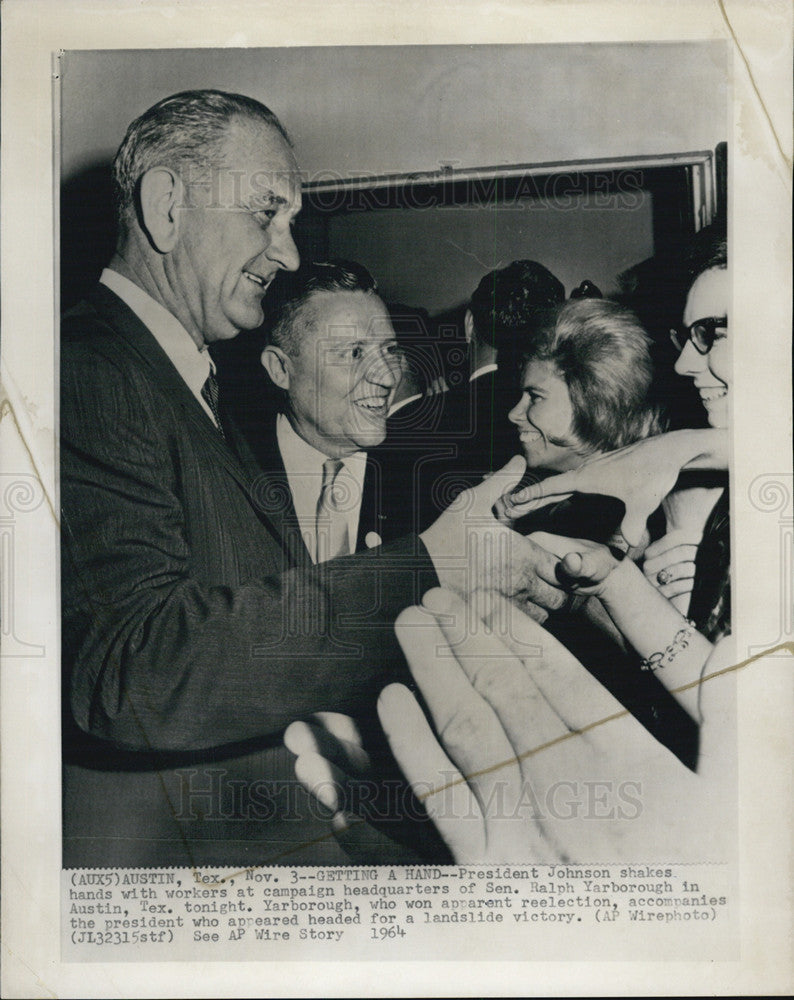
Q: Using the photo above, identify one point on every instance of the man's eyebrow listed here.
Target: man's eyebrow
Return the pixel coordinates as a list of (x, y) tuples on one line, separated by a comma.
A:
[(267, 198)]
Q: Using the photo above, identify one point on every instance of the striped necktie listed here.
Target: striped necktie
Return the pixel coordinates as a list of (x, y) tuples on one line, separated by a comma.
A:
[(210, 393)]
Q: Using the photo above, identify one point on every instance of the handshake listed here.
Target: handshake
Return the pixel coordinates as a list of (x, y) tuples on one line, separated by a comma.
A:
[(477, 556)]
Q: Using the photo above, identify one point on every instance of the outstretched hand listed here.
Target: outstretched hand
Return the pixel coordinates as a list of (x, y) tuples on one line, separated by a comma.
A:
[(351, 790), (525, 749), (641, 475), (474, 554)]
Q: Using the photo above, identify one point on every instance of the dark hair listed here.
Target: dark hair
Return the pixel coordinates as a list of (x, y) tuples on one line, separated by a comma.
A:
[(602, 352), (185, 129), (292, 291), (707, 250), (506, 300)]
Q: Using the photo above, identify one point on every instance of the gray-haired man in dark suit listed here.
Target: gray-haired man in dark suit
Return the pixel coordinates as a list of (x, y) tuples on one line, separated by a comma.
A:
[(188, 643)]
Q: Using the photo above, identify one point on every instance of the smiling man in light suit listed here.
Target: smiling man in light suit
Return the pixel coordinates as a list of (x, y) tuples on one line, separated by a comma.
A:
[(334, 354)]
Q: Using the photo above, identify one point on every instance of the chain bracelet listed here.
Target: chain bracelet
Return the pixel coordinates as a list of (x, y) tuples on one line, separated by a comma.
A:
[(661, 659)]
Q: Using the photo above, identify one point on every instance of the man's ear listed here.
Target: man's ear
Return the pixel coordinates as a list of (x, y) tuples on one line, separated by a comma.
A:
[(161, 192), (277, 364), (468, 326)]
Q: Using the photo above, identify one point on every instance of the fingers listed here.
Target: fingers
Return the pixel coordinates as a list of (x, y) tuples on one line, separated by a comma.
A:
[(672, 571), (498, 675), (501, 511), (511, 507), (321, 779), (435, 780), (582, 563), (360, 840), (672, 581), (578, 699), (533, 573), (339, 725), (671, 574), (299, 738), (587, 569), (344, 750), (678, 588), (559, 545), (670, 566), (502, 481), (516, 824), (634, 523), (669, 549), (554, 488), (469, 730)]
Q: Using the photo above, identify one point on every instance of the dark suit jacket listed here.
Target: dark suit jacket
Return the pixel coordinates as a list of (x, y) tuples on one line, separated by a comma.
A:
[(188, 642), (475, 416), (440, 445)]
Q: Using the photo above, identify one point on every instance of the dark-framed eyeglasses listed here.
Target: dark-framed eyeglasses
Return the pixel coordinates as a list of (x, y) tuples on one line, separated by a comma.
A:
[(702, 333)]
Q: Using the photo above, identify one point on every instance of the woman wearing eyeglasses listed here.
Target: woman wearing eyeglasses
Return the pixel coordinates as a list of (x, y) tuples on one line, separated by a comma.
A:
[(703, 344), (690, 563)]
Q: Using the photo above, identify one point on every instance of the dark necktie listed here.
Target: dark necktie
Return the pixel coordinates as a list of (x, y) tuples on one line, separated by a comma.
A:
[(210, 393), (332, 536)]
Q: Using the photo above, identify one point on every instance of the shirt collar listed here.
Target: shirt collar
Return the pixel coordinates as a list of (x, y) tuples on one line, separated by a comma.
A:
[(193, 364)]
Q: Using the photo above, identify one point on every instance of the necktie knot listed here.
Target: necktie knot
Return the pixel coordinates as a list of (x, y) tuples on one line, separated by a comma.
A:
[(332, 492), (332, 533)]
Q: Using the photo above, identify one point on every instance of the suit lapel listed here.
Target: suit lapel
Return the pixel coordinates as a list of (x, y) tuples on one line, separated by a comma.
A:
[(275, 497), (162, 372)]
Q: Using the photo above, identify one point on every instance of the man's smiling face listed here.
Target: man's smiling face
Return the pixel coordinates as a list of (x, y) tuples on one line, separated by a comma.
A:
[(343, 376), (235, 232)]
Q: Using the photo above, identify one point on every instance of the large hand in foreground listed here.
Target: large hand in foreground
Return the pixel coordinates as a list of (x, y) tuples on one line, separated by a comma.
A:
[(535, 761), (474, 554), (641, 475), (370, 814), (329, 753)]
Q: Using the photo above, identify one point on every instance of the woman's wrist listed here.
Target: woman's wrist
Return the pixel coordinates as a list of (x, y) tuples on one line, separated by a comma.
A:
[(621, 584)]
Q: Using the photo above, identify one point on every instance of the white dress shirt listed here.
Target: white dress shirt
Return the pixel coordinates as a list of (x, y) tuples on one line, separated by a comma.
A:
[(193, 364), (304, 467)]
